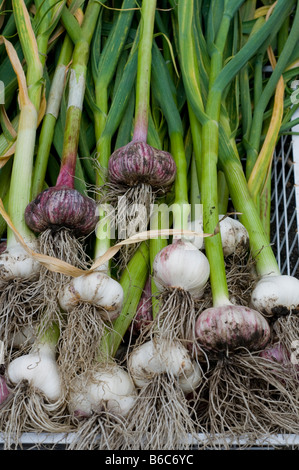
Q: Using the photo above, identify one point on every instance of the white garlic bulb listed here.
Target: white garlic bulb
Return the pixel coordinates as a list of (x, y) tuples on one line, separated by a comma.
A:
[(98, 289), (276, 294), (110, 387), (15, 262), (181, 265), (40, 369), (233, 234), (158, 356)]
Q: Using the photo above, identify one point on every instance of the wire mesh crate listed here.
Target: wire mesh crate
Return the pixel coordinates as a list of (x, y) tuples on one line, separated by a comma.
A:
[(285, 205)]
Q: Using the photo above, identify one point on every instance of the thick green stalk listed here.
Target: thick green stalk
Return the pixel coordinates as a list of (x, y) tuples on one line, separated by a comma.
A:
[(50, 118), (21, 177), (148, 10), (34, 76), (5, 173), (196, 139), (20, 195), (261, 104), (77, 86), (133, 280), (106, 70), (230, 164), (209, 181), (163, 92)]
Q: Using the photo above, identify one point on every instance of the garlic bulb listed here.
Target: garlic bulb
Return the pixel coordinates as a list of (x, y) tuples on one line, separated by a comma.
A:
[(110, 388), (4, 392), (62, 206), (138, 162), (276, 295), (40, 369), (181, 265), (233, 234), (229, 327), (15, 262), (276, 353), (144, 313), (157, 356), (98, 289)]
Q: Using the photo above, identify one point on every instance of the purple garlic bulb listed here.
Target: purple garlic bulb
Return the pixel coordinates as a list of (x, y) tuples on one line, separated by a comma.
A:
[(276, 353), (4, 392), (138, 162), (62, 207), (229, 327), (144, 314), (3, 246)]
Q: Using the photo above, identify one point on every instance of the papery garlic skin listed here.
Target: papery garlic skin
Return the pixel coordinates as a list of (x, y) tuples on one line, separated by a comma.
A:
[(40, 369), (96, 288), (156, 357), (110, 388), (181, 265), (15, 262), (229, 327), (276, 295), (233, 234)]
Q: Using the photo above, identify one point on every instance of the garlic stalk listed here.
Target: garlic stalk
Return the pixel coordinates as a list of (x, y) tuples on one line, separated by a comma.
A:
[(138, 172), (239, 377), (4, 392)]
